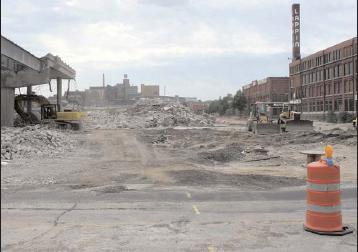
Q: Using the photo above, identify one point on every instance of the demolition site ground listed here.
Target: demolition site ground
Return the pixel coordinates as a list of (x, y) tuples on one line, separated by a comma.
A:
[(175, 188)]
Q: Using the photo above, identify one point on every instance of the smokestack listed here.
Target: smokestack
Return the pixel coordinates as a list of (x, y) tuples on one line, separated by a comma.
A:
[(296, 27), (103, 79)]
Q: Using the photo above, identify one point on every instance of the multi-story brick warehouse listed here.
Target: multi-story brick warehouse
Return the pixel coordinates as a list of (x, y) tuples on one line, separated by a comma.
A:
[(326, 80), (270, 89)]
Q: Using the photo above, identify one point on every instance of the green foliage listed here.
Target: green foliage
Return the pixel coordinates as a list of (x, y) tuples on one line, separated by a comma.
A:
[(344, 117), (240, 101), (228, 105)]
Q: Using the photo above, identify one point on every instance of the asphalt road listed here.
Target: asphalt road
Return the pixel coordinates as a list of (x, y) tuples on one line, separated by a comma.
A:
[(78, 204)]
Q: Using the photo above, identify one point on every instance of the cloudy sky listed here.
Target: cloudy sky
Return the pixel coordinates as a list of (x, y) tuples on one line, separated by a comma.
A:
[(201, 48)]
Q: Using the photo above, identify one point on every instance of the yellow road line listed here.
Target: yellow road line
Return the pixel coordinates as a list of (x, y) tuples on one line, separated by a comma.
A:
[(211, 248), (188, 195), (196, 210)]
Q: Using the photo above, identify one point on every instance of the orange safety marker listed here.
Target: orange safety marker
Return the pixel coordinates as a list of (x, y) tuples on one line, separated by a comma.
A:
[(323, 214)]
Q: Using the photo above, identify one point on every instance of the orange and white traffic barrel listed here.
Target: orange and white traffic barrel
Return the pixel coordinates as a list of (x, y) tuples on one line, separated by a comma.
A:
[(323, 214)]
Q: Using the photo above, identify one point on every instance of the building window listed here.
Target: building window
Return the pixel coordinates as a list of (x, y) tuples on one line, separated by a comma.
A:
[(350, 67), (340, 70), (321, 106), (338, 104), (339, 88), (351, 105), (336, 72), (328, 106)]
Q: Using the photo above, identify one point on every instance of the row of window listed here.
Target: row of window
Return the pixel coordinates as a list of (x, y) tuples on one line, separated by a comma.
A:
[(324, 59), (328, 73), (335, 88), (337, 105)]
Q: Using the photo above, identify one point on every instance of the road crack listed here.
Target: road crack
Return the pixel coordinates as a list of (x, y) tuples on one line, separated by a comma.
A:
[(55, 223)]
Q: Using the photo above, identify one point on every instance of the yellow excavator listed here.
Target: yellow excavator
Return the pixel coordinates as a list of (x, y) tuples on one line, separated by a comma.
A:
[(68, 119)]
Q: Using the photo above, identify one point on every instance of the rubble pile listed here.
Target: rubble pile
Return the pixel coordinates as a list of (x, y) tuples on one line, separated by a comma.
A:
[(229, 152), (34, 141), (147, 113)]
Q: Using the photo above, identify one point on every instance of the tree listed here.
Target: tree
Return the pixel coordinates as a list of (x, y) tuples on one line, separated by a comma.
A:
[(239, 101)]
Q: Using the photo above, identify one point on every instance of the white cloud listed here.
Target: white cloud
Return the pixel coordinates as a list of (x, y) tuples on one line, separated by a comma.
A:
[(151, 34)]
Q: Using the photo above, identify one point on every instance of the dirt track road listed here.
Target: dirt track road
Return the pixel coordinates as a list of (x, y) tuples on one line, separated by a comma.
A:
[(118, 194)]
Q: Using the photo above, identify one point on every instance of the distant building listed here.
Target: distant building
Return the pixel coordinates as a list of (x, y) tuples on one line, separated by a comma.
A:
[(125, 91), (198, 107), (75, 97), (270, 89), (94, 96), (189, 99), (149, 90)]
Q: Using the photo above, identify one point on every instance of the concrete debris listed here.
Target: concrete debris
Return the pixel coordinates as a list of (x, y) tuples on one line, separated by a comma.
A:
[(229, 152), (147, 113), (34, 141), (160, 139)]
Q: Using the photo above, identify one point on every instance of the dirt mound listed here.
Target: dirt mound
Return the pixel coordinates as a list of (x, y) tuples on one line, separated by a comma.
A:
[(147, 113), (34, 141), (243, 181), (229, 152)]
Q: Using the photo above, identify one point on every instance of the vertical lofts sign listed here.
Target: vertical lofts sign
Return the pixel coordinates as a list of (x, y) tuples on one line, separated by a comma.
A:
[(296, 31)]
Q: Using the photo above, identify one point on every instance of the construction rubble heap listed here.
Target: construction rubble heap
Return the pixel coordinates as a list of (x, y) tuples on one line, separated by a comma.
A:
[(147, 113), (34, 141)]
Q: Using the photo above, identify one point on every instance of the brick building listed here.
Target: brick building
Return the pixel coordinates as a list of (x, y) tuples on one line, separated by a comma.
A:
[(270, 89), (326, 80)]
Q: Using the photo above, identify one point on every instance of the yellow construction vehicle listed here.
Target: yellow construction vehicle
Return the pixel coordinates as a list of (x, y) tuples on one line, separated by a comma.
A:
[(264, 117), (290, 120), (68, 119)]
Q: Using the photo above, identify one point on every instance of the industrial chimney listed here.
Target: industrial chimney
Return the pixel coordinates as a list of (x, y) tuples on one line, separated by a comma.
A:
[(296, 26)]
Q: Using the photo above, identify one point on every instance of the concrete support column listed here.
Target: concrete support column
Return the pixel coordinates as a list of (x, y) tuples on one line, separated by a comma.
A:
[(29, 92), (7, 106), (59, 94)]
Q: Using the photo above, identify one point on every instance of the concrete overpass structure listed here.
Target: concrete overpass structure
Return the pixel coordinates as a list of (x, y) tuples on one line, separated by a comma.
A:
[(20, 68)]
